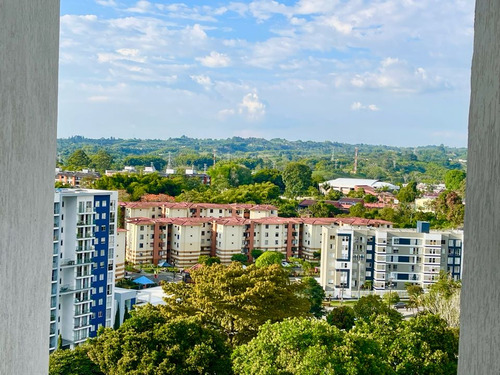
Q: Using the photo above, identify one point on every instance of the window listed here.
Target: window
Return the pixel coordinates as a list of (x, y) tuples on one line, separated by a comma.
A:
[(104, 203), (141, 245), (276, 242), (97, 203), (103, 228), (99, 314), (141, 227), (101, 289), (141, 237)]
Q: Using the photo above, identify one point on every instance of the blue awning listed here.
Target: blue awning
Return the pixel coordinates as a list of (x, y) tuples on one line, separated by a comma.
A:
[(143, 280), (164, 264)]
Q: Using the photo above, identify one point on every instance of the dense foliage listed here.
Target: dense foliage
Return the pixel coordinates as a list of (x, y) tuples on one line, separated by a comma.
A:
[(255, 321), (236, 300)]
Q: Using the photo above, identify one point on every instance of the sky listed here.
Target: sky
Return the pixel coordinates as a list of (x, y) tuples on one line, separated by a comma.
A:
[(390, 72)]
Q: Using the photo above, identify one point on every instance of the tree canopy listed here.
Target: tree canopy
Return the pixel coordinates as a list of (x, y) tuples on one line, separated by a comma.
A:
[(152, 343), (268, 258), (297, 178), (237, 300), (300, 346)]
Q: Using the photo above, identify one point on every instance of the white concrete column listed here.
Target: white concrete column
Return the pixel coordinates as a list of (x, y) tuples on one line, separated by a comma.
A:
[(29, 39), (480, 304)]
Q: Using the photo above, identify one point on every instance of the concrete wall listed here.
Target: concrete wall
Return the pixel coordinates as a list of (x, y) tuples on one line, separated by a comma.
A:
[(480, 324), (29, 37)]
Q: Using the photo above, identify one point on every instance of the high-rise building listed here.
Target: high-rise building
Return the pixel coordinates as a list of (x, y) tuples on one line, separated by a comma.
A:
[(355, 259), (83, 264)]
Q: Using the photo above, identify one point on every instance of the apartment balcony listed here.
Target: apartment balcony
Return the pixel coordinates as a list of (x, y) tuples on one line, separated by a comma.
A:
[(80, 312), (82, 300), (84, 261), (68, 289), (80, 249), (65, 263)]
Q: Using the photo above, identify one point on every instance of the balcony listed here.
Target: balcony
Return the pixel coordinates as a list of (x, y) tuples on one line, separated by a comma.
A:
[(68, 289), (84, 311), (64, 263)]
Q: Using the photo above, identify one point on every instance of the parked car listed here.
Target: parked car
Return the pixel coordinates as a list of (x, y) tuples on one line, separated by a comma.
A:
[(400, 305)]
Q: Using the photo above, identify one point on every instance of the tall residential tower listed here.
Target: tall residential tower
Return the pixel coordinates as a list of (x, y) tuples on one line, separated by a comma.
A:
[(83, 264)]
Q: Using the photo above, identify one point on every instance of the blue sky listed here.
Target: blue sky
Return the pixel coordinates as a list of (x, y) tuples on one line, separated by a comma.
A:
[(393, 72)]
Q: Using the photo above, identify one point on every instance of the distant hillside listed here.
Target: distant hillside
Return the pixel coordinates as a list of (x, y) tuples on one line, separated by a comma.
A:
[(327, 159)]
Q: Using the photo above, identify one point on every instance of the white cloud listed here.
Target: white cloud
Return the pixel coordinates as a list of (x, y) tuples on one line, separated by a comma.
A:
[(98, 98), (141, 7), (106, 3), (215, 60), (223, 114), (358, 106), (202, 80), (397, 75), (251, 107)]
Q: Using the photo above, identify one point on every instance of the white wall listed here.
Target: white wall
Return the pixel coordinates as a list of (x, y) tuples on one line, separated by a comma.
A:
[(479, 323), (29, 36)]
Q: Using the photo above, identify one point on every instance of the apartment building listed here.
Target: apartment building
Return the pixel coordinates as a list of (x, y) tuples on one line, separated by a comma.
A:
[(121, 240), (384, 259), (83, 264), (223, 231)]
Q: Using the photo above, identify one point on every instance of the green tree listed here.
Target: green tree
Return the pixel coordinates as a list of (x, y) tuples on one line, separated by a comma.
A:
[(102, 160), (334, 195), (242, 258), (391, 298), (208, 260), (255, 253), (73, 362), (237, 300), (342, 317), (449, 207), (269, 258), (152, 343), (368, 307), (453, 179), (227, 175), (414, 293), (408, 193), (424, 345), (78, 160), (288, 208), (322, 209), (59, 342), (269, 175), (315, 294), (443, 299), (301, 346), (297, 178), (357, 210)]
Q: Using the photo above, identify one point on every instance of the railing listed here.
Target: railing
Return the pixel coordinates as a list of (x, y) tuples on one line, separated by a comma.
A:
[(67, 262)]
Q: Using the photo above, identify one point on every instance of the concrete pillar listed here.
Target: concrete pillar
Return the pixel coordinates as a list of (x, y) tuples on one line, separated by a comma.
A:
[(480, 303), (29, 38)]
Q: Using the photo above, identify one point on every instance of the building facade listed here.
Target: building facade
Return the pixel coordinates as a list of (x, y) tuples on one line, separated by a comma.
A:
[(82, 264), (355, 259), (187, 230)]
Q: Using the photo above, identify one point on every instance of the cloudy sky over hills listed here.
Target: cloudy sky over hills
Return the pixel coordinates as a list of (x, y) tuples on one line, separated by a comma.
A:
[(390, 72)]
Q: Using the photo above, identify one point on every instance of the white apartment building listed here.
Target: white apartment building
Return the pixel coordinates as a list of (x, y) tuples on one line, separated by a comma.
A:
[(121, 240), (354, 258), (83, 264)]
